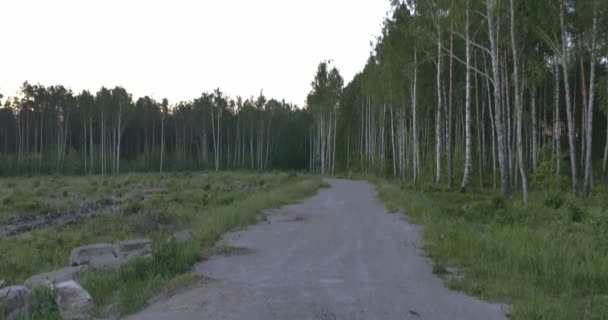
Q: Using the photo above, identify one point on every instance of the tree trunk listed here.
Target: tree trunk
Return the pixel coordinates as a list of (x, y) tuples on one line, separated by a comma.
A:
[(571, 132), (557, 129), (518, 108), (438, 117), (589, 133), (584, 98), (415, 120), (450, 131), (467, 161), (605, 161), (505, 186), (534, 131), (162, 141), (393, 143), (333, 159)]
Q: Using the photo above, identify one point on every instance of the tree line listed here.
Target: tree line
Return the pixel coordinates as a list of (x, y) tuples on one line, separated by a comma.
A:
[(50, 129), (504, 95), (494, 94)]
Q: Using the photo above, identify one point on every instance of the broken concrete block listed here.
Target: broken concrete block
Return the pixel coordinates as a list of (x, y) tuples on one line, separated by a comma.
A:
[(74, 301), (131, 248), (61, 275), (182, 236), (13, 298), (98, 256)]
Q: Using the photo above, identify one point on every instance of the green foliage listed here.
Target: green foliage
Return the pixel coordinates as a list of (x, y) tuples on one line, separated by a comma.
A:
[(41, 306), (549, 262), (141, 205), (576, 212), (136, 281), (149, 205), (554, 200), (544, 178), (151, 220)]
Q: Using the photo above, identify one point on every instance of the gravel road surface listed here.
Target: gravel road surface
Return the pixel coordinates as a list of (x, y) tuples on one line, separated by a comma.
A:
[(336, 256)]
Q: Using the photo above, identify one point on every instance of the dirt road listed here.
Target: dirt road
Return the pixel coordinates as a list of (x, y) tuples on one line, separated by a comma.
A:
[(338, 255)]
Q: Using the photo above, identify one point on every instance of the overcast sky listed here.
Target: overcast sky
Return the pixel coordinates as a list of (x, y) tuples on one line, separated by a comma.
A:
[(180, 48)]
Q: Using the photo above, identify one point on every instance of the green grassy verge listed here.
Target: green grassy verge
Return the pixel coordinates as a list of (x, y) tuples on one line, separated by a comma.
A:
[(147, 205), (132, 285), (548, 259)]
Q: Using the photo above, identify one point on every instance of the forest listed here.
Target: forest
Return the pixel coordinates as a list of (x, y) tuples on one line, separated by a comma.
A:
[(484, 121), (501, 95)]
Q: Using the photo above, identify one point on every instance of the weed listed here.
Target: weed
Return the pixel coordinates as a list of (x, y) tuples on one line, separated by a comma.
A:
[(548, 260), (151, 220), (133, 207), (130, 287), (554, 200), (41, 306), (439, 268), (576, 212), (8, 201)]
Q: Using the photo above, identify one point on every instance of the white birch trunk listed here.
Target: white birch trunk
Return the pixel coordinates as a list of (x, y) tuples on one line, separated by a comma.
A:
[(438, 117), (467, 161), (505, 186), (571, 133), (589, 118), (518, 108)]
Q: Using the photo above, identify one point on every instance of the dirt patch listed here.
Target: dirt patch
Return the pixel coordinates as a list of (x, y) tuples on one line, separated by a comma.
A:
[(87, 210), (227, 251), (60, 218), (299, 218), (145, 194), (296, 218)]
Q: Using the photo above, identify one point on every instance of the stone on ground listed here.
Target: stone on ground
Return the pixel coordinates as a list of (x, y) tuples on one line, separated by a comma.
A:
[(74, 301), (129, 249), (98, 256), (182, 236), (61, 275), (13, 298)]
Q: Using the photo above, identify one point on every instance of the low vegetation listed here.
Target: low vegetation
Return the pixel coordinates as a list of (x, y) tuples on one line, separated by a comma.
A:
[(143, 205), (548, 258)]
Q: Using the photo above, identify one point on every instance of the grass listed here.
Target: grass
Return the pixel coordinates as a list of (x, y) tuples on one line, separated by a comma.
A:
[(147, 205), (40, 306), (548, 259)]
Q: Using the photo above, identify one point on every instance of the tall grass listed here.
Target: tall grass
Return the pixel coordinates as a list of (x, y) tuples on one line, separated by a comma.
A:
[(549, 260), (130, 287)]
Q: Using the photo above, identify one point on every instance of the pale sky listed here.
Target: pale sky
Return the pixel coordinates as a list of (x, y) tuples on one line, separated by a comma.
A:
[(181, 48)]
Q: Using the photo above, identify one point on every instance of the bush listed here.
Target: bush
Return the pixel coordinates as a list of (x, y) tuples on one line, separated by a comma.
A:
[(576, 213), (151, 220), (133, 207), (598, 220), (554, 200)]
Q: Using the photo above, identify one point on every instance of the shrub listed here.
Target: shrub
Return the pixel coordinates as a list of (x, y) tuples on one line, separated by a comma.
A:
[(497, 202), (428, 187), (132, 207), (8, 201), (576, 213), (151, 220), (554, 200)]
